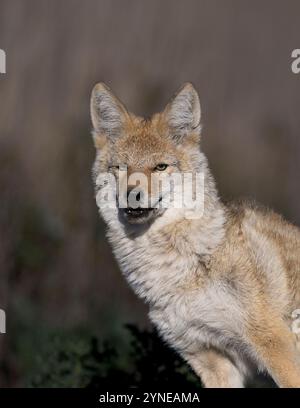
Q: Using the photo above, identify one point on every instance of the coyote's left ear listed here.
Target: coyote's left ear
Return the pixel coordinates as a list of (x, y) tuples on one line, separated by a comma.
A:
[(183, 112), (107, 112)]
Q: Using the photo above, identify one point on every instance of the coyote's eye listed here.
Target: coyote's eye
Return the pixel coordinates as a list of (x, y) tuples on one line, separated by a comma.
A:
[(161, 167)]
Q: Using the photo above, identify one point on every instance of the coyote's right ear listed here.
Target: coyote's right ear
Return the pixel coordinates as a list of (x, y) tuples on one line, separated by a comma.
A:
[(183, 112), (107, 112)]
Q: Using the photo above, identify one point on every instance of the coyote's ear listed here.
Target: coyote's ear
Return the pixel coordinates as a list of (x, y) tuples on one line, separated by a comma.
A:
[(183, 112), (107, 112)]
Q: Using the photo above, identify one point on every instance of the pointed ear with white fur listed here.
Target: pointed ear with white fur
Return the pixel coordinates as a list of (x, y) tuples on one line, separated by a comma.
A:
[(107, 112), (183, 112)]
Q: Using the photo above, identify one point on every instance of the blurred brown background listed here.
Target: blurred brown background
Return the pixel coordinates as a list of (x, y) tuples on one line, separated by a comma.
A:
[(56, 269)]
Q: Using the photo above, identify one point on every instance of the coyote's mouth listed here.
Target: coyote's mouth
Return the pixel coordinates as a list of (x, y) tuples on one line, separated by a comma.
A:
[(138, 215), (137, 212)]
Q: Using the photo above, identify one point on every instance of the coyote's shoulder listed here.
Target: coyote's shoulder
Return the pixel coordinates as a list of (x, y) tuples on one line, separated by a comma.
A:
[(222, 285), (275, 245)]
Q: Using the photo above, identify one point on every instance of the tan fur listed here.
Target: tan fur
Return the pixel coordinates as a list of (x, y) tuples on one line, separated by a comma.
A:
[(221, 288)]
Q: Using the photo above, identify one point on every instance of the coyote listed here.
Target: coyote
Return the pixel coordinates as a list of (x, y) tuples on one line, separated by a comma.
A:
[(221, 287)]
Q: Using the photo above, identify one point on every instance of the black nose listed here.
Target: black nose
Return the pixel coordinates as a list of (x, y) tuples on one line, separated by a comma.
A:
[(134, 194)]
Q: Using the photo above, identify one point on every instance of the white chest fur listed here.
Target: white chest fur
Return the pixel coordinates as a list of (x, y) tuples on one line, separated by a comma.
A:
[(187, 316)]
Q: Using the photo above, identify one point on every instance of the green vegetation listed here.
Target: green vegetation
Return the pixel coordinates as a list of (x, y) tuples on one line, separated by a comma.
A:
[(81, 360)]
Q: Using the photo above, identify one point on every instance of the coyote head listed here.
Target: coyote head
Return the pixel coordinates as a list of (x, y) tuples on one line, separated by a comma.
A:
[(140, 153)]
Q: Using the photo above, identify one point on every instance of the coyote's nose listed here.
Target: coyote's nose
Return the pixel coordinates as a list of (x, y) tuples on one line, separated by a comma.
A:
[(135, 197)]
